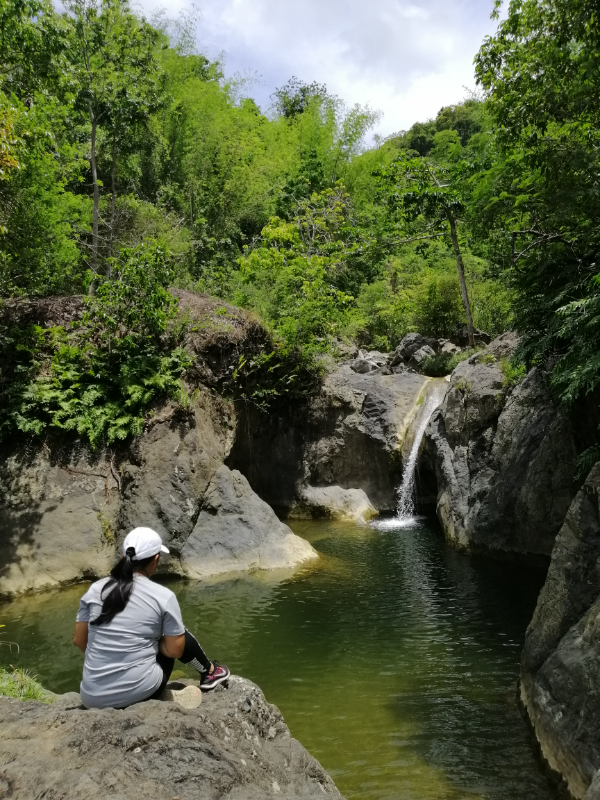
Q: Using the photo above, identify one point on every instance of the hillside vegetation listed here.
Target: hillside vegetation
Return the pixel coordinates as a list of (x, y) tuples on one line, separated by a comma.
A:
[(129, 164)]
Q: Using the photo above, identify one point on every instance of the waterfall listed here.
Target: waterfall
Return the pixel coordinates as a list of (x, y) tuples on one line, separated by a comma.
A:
[(406, 492), (405, 510)]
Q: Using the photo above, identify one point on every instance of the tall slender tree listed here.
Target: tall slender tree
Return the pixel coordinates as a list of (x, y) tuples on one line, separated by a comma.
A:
[(119, 84), (425, 202)]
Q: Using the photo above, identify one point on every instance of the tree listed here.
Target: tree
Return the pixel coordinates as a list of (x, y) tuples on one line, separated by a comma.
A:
[(541, 200), (425, 202), (32, 41), (117, 80), (296, 96)]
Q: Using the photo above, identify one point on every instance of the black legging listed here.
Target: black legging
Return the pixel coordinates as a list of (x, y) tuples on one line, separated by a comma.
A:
[(193, 655)]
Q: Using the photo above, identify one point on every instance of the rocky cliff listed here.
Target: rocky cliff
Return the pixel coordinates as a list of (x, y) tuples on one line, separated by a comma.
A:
[(503, 455), (560, 678), (235, 746), (65, 510), (338, 455)]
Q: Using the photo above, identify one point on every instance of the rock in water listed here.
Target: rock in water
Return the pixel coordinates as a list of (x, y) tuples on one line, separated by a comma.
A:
[(235, 745), (236, 530), (504, 457), (333, 502), (560, 675)]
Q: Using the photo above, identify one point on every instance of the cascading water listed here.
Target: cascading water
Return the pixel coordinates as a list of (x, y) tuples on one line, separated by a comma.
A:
[(405, 510), (406, 492)]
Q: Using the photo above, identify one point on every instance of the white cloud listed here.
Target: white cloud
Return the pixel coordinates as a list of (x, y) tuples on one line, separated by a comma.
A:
[(407, 59)]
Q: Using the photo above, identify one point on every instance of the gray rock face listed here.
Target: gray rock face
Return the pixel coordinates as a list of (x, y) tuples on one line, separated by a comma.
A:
[(504, 458), (367, 362), (560, 679), (64, 514), (236, 530), (409, 346), (235, 746), (54, 518), (348, 437), (460, 336), (419, 356), (447, 348)]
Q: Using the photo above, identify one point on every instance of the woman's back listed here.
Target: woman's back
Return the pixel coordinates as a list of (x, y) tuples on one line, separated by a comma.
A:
[(120, 660)]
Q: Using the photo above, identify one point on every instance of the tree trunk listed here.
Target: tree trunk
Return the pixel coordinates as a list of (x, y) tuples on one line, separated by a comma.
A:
[(96, 214), (113, 192), (461, 277)]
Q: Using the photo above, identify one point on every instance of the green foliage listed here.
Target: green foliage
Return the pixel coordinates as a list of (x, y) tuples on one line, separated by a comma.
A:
[(438, 306), (513, 372), (115, 133), (18, 683), (296, 96), (444, 363), (538, 201), (101, 377), (267, 378), (289, 275)]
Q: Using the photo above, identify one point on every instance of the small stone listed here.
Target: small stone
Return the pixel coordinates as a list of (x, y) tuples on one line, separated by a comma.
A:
[(276, 788)]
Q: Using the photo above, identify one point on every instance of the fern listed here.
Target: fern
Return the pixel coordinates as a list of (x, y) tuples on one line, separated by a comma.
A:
[(99, 378)]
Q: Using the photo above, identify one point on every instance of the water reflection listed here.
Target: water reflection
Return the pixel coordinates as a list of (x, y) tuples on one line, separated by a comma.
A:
[(394, 658)]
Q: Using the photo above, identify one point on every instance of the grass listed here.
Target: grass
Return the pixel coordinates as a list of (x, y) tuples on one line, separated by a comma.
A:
[(18, 683)]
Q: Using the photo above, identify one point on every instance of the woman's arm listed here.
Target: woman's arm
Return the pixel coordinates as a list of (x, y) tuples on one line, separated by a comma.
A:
[(80, 637), (172, 646)]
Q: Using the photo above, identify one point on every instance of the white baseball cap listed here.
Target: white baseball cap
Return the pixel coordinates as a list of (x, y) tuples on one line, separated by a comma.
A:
[(145, 542)]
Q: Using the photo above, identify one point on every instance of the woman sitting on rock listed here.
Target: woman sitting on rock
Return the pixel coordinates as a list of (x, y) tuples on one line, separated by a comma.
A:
[(131, 632)]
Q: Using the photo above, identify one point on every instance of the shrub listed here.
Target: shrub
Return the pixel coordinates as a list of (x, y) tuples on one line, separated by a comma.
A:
[(444, 363), (438, 305), (100, 377)]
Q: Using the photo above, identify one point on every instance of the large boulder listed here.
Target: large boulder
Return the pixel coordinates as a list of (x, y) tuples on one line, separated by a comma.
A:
[(419, 356), (560, 679), (504, 457), (333, 502), (368, 361), (347, 436), (409, 346), (460, 336), (236, 530), (235, 746)]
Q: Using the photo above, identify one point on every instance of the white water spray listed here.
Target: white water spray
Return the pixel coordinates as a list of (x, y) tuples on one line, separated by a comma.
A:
[(405, 511)]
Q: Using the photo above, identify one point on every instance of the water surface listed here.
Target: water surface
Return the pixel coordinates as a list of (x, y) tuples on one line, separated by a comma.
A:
[(394, 659)]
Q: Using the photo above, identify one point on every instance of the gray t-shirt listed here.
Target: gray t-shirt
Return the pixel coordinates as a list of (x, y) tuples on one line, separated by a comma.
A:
[(120, 659)]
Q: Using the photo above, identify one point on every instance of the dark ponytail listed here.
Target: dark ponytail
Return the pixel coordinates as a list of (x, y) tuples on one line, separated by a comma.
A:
[(120, 585)]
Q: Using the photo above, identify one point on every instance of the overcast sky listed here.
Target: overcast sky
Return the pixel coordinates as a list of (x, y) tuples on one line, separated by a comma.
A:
[(406, 59)]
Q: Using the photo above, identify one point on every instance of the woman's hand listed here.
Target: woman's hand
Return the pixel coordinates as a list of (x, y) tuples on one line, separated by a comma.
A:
[(172, 646), (80, 637)]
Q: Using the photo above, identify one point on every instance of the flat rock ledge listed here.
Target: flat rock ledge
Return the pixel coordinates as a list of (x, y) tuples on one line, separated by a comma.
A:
[(235, 746)]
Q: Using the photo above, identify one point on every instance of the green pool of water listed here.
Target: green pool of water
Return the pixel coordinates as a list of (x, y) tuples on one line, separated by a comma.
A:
[(394, 659)]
